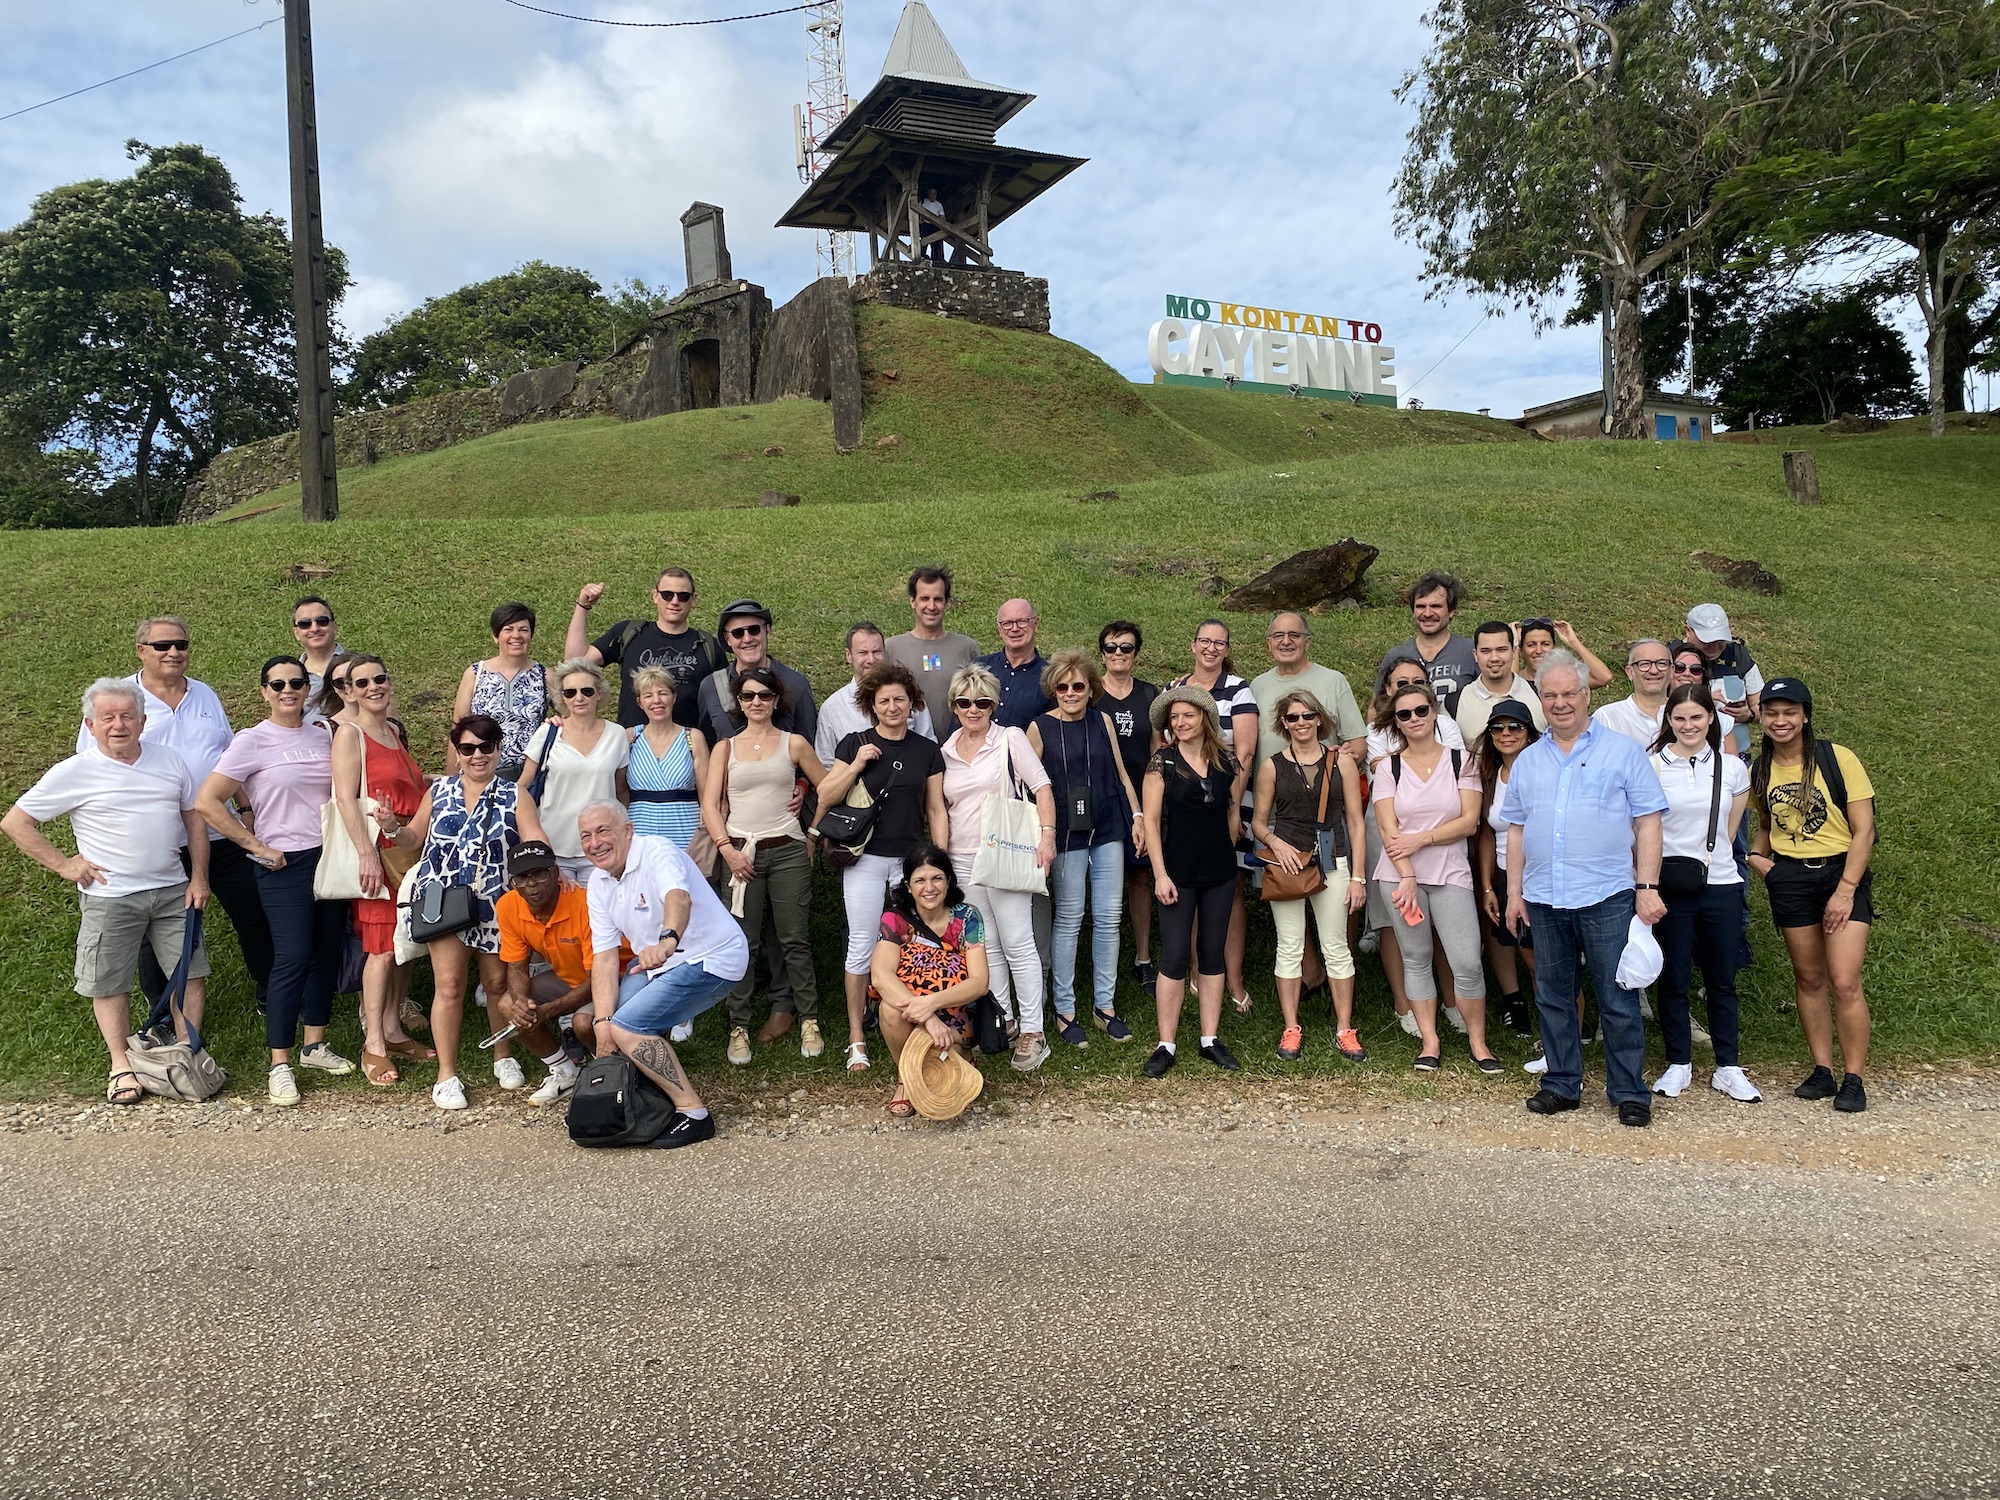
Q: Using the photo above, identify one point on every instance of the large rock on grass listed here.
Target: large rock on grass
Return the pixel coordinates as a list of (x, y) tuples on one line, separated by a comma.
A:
[(1318, 576)]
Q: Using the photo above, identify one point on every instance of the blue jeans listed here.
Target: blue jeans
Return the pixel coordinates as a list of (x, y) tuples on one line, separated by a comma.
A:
[(305, 948), (1597, 932), (1101, 868), (653, 1007)]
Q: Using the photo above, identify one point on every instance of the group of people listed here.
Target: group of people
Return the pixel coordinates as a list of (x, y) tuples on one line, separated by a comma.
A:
[(596, 878)]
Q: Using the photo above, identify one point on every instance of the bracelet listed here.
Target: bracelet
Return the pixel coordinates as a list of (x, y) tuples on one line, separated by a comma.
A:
[(1646, 887)]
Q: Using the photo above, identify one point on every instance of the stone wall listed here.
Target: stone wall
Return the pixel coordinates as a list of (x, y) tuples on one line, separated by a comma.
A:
[(733, 318), (809, 350), (1006, 299)]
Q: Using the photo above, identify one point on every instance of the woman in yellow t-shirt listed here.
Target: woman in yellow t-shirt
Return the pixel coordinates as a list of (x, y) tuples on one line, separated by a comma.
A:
[(1813, 854)]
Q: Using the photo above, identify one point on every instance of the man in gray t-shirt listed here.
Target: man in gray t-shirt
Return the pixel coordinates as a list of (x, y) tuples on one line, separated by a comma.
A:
[(1434, 599), (1289, 641), (930, 652)]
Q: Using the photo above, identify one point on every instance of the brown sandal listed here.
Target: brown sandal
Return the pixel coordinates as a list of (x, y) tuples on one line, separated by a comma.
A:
[(402, 1046), (378, 1070), (124, 1093), (902, 1109)]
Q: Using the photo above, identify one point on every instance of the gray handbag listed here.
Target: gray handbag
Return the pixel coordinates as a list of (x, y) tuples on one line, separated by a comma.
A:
[(164, 1064)]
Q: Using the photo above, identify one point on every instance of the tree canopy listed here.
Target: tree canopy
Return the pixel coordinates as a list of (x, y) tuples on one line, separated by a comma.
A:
[(148, 320)]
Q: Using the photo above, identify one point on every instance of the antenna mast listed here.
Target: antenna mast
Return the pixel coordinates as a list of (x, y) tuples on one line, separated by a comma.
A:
[(825, 107)]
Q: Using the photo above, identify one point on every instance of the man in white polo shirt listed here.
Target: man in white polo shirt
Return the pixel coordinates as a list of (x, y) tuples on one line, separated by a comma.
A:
[(1493, 647), (687, 953), (187, 717), (1649, 666), (131, 807)]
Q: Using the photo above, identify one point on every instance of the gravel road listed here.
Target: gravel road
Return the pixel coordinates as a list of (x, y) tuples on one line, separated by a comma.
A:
[(1308, 1293)]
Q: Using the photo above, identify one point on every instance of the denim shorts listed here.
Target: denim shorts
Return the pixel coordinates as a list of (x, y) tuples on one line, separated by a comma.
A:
[(654, 1006)]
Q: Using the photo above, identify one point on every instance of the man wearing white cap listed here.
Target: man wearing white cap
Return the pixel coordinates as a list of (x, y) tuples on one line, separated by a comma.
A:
[(1731, 670)]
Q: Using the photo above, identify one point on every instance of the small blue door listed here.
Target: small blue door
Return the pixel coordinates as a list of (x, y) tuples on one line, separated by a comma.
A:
[(1663, 428)]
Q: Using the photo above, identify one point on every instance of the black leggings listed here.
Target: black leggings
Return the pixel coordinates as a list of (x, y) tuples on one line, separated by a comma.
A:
[(1210, 904)]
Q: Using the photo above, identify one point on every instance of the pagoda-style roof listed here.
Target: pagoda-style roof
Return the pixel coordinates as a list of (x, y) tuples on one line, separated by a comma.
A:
[(927, 123)]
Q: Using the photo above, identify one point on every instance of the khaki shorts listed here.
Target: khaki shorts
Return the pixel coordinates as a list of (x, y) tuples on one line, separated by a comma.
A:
[(113, 930)]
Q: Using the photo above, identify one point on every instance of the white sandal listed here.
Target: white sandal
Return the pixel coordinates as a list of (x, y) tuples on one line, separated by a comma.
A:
[(857, 1057)]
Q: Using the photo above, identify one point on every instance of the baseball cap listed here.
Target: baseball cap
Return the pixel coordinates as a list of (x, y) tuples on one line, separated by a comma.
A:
[(1709, 622), (529, 855), (1787, 690), (741, 609), (1512, 711)]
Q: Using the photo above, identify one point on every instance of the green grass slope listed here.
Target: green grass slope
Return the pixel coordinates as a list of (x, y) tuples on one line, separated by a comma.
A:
[(973, 410), (1886, 610)]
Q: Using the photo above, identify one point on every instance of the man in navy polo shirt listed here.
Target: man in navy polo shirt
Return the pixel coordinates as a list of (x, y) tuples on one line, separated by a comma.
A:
[(1018, 666)]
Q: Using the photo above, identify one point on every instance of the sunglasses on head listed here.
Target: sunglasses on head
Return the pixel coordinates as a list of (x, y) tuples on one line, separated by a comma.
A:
[(1411, 715), (676, 596), (588, 691), (311, 622), (1120, 648), (967, 705), (477, 747), (1538, 624), (163, 647), (287, 684), (756, 695), (358, 683)]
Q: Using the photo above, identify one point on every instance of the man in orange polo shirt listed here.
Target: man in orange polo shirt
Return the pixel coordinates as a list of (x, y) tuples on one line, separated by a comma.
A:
[(546, 916)]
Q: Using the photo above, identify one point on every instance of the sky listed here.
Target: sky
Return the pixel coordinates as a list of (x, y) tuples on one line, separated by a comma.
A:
[(1237, 152)]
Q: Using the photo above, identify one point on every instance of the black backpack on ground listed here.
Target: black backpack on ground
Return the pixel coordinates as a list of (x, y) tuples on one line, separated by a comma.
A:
[(614, 1104)]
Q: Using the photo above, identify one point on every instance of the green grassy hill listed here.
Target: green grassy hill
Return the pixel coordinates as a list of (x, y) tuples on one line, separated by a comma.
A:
[(973, 410), (1886, 610)]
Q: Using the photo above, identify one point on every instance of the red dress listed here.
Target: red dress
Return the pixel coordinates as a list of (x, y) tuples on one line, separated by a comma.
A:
[(391, 775)]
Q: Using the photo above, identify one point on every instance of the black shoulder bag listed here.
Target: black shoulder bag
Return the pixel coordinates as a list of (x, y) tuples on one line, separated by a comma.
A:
[(1682, 877)]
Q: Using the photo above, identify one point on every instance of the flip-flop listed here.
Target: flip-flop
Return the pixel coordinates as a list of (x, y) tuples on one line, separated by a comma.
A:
[(1243, 1002), (124, 1093)]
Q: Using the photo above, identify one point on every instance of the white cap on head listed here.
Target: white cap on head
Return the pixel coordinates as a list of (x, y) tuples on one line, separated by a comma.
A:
[(1708, 622)]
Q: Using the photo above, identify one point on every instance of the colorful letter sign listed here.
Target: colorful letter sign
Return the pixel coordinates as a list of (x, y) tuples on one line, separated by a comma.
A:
[(1242, 347)]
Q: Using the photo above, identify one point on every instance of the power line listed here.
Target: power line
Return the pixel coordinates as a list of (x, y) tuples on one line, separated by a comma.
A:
[(564, 15), (1449, 352), (147, 69)]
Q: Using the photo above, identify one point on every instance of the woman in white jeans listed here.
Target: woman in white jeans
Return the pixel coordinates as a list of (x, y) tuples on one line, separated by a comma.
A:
[(1426, 801), (1303, 818), (904, 775), (981, 760)]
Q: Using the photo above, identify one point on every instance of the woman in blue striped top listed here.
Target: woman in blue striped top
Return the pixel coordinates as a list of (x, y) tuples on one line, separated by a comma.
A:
[(667, 764)]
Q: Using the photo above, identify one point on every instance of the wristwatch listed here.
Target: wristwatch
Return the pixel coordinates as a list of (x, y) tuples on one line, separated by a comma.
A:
[(1647, 887), (670, 932)]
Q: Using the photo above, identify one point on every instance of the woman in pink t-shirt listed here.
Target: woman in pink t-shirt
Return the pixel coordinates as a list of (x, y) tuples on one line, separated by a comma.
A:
[(1426, 805)]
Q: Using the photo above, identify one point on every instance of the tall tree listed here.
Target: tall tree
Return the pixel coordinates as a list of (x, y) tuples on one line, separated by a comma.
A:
[(1558, 141), (148, 319), (1812, 358), (535, 315)]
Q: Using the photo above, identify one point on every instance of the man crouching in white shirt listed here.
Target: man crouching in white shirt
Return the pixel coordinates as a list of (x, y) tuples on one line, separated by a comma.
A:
[(687, 952)]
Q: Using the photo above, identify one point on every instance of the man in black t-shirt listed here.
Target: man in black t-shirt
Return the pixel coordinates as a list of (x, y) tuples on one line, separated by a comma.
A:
[(666, 641)]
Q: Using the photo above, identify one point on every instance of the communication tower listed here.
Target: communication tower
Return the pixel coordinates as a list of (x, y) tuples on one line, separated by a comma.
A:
[(825, 107)]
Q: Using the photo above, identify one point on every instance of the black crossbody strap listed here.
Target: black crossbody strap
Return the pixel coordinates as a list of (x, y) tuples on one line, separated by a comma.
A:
[(1715, 803)]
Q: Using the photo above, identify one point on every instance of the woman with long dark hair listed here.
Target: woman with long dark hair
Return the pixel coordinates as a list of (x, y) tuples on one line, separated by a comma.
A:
[(929, 962), (1509, 731)]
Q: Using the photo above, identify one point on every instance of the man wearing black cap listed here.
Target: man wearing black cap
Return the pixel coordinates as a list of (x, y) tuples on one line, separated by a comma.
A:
[(545, 915)]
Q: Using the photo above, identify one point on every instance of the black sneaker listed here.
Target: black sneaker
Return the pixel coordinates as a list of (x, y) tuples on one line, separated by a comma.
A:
[(1852, 1098), (871, 1017), (1111, 1026), (1158, 1063), (1635, 1114), (1547, 1102), (1144, 972), (1818, 1085), (1070, 1031), (686, 1131), (1221, 1056), (1519, 1017)]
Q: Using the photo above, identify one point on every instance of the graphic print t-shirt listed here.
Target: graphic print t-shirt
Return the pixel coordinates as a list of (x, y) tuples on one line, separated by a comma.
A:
[(687, 658), (1812, 827)]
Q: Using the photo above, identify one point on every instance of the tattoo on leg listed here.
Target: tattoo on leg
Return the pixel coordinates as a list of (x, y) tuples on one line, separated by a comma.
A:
[(655, 1056)]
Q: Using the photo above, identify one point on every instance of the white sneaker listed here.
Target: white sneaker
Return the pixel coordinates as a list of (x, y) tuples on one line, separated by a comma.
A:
[(1456, 1017), (1673, 1083), (323, 1058), (507, 1073), (562, 1078), (1537, 1065), (448, 1093), (1699, 1035), (1736, 1084), (681, 1032), (739, 1045), (812, 1043), (284, 1088), (1409, 1023)]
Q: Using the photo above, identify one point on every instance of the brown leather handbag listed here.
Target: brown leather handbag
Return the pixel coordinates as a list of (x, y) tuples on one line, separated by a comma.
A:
[(1280, 884)]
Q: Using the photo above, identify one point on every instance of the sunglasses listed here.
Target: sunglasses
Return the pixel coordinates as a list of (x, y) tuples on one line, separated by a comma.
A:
[(676, 596), (312, 622), (744, 632), (164, 646), (1506, 726), (967, 705), (1302, 718), (1539, 624), (1690, 669), (364, 682), (756, 695), (287, 684), (1411, 715), (1072, 687), (476, 747), (582, 692), (1120, 648)]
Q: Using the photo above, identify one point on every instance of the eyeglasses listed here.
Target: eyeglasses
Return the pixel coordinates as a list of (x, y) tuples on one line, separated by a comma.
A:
[(1120, 648), (1211, 643), (471, 748), (287, 684), (967, 705), (1286, 635), (364, 682), (676, 596), (582, 692), (744, 632), (1412, 715), (1302, 717), (312, 622), (1015, 624), (756, 695), (1649, 666), (163, 647), (1072, 687)]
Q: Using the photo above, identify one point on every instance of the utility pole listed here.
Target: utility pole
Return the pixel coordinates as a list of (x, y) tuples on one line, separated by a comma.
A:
[(319, 489)]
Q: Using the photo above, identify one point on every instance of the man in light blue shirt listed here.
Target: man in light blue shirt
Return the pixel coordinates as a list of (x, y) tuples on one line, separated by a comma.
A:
[(1583, 805)]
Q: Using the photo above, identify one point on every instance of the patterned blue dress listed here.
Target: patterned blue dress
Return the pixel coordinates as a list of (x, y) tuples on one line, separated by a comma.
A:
[(664, 800), (470, 848), (521, 706)]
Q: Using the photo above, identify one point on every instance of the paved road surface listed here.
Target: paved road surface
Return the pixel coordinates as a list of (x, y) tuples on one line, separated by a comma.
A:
[(1336, 1297)]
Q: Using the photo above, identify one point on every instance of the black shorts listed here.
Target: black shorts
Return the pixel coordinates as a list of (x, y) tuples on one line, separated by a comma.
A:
[(1799, 890), (1501, 935)]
